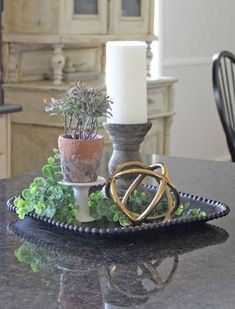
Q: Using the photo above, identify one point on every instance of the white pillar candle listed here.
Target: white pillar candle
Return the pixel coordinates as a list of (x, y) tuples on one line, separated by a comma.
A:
[(126, 81)]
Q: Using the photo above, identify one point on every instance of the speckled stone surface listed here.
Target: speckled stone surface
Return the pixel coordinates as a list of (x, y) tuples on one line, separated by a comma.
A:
[(191, 267)]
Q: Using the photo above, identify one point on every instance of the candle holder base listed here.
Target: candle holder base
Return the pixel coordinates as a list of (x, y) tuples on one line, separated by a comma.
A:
[(126, 139)]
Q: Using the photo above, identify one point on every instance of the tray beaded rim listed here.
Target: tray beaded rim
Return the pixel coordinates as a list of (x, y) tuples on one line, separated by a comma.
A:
[(132, 228)]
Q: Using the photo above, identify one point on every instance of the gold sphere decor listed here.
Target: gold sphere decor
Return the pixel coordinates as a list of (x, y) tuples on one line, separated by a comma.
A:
[(159, 172)]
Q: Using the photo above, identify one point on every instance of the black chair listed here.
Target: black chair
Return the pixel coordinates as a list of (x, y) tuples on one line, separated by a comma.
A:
[(223, 76)]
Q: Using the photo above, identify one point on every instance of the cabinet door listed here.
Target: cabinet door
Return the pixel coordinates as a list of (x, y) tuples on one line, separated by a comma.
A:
[(131, 17), (31, 16), (3, 167), (4, 149), (154, 140), (2, 134), (84, 17)]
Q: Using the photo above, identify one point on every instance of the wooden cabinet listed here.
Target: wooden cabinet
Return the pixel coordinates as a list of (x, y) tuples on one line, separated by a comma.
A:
[(49, 43), (5, 169), (65, 39), (31, 17), (84, 17), (113, 17), (131, 17)]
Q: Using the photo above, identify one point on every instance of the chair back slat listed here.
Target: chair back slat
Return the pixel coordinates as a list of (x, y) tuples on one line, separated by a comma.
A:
[(228, 97), (224, 93), (232, 66), (223, 90)]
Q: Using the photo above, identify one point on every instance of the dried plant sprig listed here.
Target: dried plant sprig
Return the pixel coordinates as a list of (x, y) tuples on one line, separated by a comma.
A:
[(81, 106)]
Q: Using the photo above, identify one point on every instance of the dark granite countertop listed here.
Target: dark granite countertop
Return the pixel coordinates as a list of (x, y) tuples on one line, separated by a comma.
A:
[(10, 108), (191, 267)]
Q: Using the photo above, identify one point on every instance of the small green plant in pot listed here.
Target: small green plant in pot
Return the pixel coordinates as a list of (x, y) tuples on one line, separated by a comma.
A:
[(80, 146)]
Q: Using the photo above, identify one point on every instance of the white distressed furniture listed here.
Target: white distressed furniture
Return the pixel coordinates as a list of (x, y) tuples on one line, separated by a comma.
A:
[(48, 43), (65, 39), (5, 146), (5, 138)]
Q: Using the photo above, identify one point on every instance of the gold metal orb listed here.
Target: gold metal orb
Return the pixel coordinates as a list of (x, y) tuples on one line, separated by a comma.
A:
[(159, 172)]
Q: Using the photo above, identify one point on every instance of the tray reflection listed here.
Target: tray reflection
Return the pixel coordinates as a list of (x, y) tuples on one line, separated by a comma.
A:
[(120, 271)]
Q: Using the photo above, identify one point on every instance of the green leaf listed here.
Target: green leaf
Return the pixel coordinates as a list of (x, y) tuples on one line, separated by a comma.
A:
[(58, 176), (110, 215), (29, 206), (40, 182), (48, 198), (101, 209), (54, 192), (47, 170), (57, 156), (36, 266), (26, 194), (39, 208), (124, 221), (49, 212), (34, 189), (202, 214), (116, 217), (21, 213), (51, 161), (19, 202), (178, 212), (194, 212), (55, 151), (19, 256)]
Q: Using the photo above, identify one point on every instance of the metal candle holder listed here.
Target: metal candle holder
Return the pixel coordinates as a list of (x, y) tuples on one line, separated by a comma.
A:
[(126, 139)]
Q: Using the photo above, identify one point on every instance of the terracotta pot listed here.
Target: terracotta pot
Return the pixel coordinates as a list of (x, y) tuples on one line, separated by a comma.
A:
[(80, 159)]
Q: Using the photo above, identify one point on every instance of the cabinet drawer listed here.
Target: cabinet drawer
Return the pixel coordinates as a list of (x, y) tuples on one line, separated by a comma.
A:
[(158, 101), (2, 134)]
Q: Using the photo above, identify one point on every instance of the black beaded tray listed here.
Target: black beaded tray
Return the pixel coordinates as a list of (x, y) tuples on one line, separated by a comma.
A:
[(212, 208)]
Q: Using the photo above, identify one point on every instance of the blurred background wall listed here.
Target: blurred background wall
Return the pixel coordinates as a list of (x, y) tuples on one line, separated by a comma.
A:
[(190, 33)]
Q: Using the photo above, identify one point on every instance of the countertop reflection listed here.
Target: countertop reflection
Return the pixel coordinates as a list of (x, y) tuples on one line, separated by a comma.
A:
[(122, 272)]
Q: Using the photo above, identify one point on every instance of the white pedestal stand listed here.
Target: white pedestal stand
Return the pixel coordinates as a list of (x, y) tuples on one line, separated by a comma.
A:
[(81, 192)]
